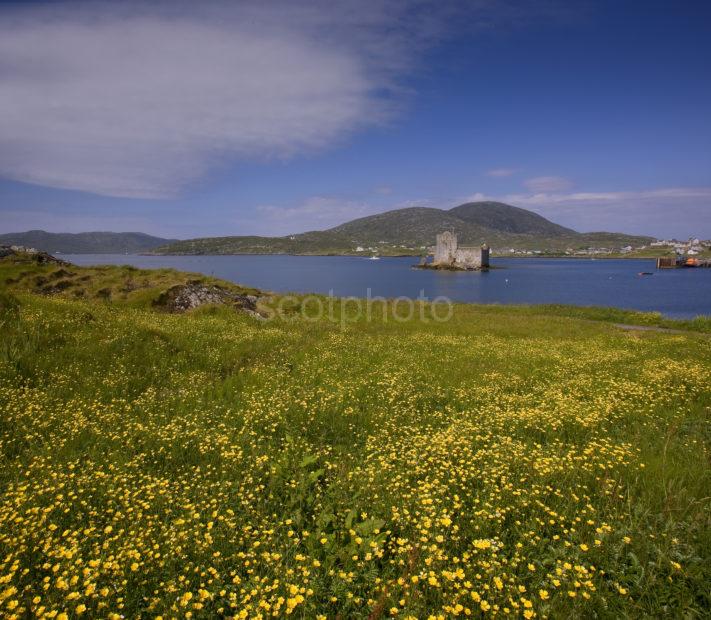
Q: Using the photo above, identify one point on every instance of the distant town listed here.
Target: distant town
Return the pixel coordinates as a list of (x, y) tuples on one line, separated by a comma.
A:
[(691, 247)]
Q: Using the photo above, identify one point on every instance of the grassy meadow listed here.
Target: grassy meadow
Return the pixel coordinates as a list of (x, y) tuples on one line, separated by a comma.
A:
[(524, 462)]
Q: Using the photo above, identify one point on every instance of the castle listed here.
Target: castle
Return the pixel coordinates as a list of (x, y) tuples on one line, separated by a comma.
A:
[(449, 255)]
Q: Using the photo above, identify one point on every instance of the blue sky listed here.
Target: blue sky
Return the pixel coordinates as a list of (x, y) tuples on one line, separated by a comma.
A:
[(272, 118)]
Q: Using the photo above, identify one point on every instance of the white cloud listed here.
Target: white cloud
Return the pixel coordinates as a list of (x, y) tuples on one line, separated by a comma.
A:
[(500, 172), (677, 212), (315, 213), (141, 99), (547, 184), (126, 100), (582, 198)]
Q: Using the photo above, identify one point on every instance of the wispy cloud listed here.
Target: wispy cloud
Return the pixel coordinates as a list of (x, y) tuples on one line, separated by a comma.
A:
[(582, 198), (676, 211), (547, 184), (140, 102), (323, 212), (315, 213), (140, 105), (500, 172), (141, 99)]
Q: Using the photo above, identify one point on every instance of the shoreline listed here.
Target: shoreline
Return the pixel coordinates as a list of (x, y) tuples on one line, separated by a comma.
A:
[(562, 256), (646, 317)]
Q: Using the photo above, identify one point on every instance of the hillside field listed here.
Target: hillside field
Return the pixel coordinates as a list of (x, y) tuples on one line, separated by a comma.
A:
[(511, 461)]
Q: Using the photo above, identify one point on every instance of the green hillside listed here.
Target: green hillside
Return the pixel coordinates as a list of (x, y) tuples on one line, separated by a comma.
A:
[(85, 243), (505, 218), (411, 230), (414, 226)]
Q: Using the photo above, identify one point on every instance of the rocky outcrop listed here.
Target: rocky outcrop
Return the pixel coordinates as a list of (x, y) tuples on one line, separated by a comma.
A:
[(184, 297), (41, 258), (60, 277)]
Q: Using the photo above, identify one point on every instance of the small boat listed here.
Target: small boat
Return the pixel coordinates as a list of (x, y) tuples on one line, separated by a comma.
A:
[(374, 258), (645, 273)]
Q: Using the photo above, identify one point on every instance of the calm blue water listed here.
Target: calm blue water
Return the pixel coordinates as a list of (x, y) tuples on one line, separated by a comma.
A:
[(675, 293)]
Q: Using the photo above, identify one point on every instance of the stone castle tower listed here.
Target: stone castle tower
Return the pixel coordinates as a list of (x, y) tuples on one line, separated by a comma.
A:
[(449, 254), (446, 248)]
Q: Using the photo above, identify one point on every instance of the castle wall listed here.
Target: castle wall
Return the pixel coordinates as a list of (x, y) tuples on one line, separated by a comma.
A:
[(472, 258), (468, 257)]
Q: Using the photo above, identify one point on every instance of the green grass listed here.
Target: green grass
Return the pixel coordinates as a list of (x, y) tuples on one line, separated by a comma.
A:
[(123, 285), (212, 464), (700, 323)]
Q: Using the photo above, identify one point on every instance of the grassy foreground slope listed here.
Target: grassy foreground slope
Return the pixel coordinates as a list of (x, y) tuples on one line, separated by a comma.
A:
[(120, 284), (508, 461)]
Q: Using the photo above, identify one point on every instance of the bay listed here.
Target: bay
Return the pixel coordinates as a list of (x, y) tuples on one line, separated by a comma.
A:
[(678, 293)]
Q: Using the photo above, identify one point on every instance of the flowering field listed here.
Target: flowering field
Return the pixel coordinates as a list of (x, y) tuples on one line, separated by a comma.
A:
[(506, 463)]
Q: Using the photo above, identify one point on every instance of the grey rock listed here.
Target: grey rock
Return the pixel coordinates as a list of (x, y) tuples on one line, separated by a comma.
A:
[(184, 297)]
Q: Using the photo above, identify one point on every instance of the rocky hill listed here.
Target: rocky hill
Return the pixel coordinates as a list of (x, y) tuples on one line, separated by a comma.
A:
[(411, 230)]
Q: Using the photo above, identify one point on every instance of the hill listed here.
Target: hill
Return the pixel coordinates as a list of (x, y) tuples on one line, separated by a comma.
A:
[(414, 226), (509, 219), (85, 243), (412, 230)]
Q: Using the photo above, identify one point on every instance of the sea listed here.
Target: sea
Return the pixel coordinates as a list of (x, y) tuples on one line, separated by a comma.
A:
[(619, 283)]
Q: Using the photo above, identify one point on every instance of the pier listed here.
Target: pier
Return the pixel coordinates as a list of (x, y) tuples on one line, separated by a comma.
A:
[(682, 262)]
